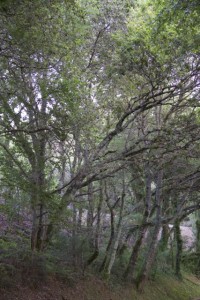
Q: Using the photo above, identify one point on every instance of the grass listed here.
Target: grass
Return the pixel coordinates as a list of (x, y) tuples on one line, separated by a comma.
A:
[(90, 288), (164, 288), (168, 288)]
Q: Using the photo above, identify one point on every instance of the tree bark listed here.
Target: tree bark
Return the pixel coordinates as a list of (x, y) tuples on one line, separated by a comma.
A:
[(129, 272), (164, 237), (95, 253), (151, 251), (117, 235), (90, 216), (179, 248), (197, 271), (112, 231)]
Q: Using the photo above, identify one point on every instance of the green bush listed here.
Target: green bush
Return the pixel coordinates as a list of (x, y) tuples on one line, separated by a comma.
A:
[(8, 275), (19, 264), (191, 262)]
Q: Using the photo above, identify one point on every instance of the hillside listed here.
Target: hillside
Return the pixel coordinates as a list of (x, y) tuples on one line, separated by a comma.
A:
[(165, 288)]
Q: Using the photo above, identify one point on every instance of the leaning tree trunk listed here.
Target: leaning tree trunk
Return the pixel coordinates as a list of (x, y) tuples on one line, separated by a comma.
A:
[(117, 237), (149, 259), (122, 248), (152, 249), (129, 272)]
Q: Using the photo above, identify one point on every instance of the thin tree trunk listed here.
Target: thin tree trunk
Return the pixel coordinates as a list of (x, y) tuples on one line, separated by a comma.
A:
[(95, 253), (74, 232), (179, 248), (197, 271), (112, 232), (90, 217), (34, 230), (79, 223), (117, 235)]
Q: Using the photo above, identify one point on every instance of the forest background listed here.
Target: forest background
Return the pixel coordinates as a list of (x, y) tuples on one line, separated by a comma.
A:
[(99, 138)]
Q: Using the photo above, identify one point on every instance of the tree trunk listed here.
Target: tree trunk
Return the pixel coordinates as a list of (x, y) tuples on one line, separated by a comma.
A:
[(197, 271), (117, 236), (79, 222), (164, 237), (39, 217), (129, 272), (74, 233), (112, 233), (39, 230), (151, 252), (149, 259), (124, 246), (90, 217), (179, 248), (95, 253)]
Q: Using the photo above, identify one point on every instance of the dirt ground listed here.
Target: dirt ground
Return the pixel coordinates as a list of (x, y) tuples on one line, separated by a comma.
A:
[(91, 288)]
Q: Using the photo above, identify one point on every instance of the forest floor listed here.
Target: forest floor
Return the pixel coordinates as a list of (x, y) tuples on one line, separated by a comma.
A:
[(165, 288)]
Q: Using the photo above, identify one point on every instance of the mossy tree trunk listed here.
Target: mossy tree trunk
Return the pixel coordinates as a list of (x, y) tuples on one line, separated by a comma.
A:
[(112, 231), (90, 216), (197, 271), (95, 252), (152, 249), (117, 235), (129, 272), (179, 248), (164, 237)]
